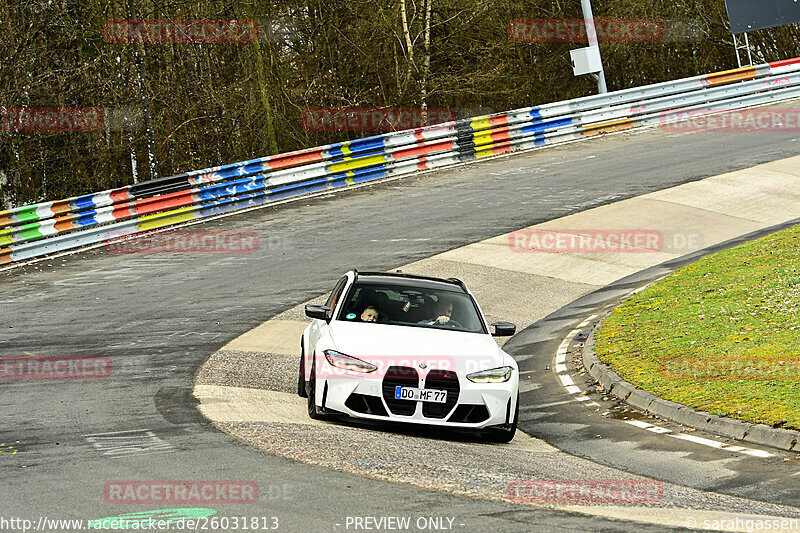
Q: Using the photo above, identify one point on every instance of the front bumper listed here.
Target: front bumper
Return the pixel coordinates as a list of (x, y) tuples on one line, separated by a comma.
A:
[(470, 405)]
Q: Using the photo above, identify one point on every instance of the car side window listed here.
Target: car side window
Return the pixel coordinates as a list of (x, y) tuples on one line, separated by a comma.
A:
[(336, 293)]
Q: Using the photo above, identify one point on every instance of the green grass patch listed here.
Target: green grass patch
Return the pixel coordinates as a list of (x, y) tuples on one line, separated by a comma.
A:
[(720, 335)]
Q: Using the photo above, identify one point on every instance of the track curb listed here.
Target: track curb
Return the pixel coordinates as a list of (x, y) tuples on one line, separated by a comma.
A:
[(614, 385)]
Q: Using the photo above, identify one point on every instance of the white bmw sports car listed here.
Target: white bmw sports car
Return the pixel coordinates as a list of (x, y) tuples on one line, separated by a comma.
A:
[(413, 349)]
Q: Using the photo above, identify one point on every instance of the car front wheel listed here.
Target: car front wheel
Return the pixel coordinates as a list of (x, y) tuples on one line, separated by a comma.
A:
[(313, 412), (301, 378), (503, 435)]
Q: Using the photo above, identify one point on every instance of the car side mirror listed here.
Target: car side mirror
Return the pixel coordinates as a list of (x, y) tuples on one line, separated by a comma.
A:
[(321, 312), (503, 329)]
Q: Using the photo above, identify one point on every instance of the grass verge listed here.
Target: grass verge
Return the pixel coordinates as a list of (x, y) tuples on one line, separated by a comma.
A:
[(721, 334)]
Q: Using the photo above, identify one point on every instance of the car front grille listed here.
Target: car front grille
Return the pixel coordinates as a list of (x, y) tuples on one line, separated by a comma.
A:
[(400, 376), (441, 380)]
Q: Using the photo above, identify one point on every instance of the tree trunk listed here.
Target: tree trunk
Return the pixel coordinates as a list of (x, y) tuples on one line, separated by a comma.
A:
[(263, 90), (152, 158), (426, 68), (409, 44)]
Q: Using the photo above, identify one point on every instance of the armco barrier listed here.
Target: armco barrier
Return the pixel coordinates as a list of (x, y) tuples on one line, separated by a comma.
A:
[(35, 230)]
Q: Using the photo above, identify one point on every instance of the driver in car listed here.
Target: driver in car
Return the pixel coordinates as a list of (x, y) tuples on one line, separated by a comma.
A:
[(443, 311)]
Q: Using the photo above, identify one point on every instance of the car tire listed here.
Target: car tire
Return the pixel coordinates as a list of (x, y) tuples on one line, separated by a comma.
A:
[(301, 378), (504, 435), (313, 412)]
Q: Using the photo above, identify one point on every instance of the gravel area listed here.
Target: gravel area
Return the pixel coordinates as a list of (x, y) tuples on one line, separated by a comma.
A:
[(252, 370), (458, 465)]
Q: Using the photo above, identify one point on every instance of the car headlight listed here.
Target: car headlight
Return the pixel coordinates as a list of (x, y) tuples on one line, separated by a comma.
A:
[(347, 362), (495, 375)]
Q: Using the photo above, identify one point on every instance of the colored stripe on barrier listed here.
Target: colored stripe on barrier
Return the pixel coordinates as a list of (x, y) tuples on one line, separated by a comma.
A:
[(732, 76), (59, 225)]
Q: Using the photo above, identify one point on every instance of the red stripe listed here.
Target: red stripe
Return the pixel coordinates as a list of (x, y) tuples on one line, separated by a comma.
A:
[(292, 159), (501, 135), (122, 212), (120, 195), (776, 64), (422, 149), (5, 256), (162, 203), (501, 120)]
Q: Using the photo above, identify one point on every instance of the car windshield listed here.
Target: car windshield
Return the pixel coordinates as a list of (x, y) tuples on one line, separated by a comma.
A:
[(411, 306)]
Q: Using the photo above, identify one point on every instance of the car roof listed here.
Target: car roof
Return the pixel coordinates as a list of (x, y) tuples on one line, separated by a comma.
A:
[(409, 280)]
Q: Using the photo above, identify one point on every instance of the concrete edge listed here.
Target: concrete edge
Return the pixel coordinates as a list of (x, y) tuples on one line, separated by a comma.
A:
[(612, 383)]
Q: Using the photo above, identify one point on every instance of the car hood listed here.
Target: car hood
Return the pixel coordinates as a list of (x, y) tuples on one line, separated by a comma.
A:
[(401, 345)]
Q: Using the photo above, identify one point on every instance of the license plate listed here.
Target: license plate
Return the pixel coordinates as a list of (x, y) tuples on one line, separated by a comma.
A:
[(420, 395)]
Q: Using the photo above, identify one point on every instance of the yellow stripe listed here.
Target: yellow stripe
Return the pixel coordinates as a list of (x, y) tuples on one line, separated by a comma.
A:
[(160, 220), (345, 149), (484, 152), (6, 236), (608, 127), (480, 140), (480, 123), (361, 162)]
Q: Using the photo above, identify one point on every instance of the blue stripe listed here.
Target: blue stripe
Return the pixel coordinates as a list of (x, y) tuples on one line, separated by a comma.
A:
[(87, 219), (538, 127), (231, 188), (231, 204), (83, 202), (358, 148)]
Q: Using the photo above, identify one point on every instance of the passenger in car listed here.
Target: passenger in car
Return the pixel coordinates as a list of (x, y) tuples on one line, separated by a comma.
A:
[(369, 314)]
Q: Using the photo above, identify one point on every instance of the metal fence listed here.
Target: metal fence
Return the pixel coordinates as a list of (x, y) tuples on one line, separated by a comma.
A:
[(36, 230)]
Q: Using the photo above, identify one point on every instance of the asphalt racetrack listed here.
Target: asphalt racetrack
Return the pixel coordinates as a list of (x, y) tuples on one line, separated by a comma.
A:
[(159, 317)]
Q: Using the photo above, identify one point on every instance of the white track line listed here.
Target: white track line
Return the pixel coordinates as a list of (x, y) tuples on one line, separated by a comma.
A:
[(722, 446), (586, 322), (699, 440), (562, 372), (648, 427), (561, 365)]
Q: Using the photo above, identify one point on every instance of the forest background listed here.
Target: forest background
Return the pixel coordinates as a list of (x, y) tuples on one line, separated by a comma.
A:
[(168, 107)]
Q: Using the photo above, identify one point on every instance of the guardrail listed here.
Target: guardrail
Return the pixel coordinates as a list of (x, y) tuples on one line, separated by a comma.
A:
[(36, 230)]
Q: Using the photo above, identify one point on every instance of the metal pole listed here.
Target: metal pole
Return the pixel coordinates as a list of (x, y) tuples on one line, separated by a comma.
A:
[(737, 48), (749, 52), (588, 19)]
